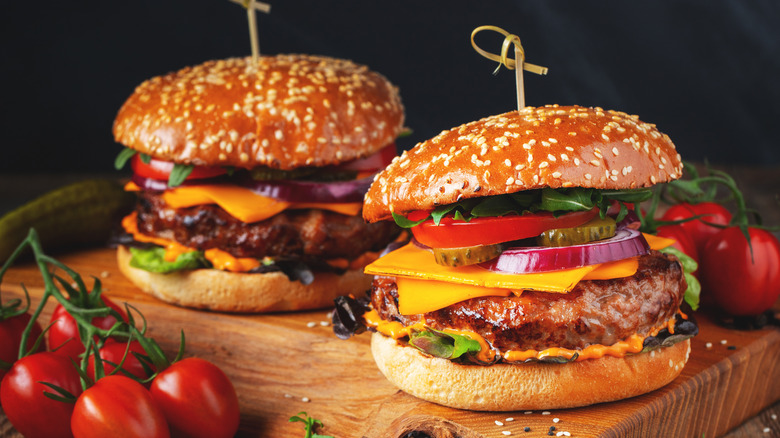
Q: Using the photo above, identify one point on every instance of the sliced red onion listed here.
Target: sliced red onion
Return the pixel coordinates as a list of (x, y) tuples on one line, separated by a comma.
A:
[(630, 221), (285, 190), (523, 260), (313, 191)]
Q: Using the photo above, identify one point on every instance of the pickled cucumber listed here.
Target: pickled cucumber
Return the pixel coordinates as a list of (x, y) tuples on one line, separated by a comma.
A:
[(466, 255), (78, 214), (595, 229)]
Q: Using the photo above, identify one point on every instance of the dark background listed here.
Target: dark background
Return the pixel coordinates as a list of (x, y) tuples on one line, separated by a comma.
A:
[(706, 72)]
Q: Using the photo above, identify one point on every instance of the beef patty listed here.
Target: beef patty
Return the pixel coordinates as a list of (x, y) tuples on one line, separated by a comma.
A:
[(595, 312), (290, 235)]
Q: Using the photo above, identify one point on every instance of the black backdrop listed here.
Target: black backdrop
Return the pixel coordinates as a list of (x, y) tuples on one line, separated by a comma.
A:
[(706, 72)]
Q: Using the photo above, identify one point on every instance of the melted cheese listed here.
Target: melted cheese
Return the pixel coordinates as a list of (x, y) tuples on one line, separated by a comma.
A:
[(243, 203), (634, 344), (396, 330), (423, 296), (220, 259), (413, 262), (657, 242)]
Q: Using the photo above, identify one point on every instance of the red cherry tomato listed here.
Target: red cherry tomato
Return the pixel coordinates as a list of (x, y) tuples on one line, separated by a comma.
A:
[(64, 333), (22, 395), (117, 406), (451, 233), (160, 170), (684, 240), (113, 351), (197, 399), (739, 284), (375, 162), (698, 229), (11, 336)]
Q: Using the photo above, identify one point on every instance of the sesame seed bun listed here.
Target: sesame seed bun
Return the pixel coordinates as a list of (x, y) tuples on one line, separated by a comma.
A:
[(287, 111), (224, 291), (507, 387), (551, 146)]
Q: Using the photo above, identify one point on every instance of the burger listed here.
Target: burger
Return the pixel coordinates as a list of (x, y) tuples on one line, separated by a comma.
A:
[(527, 284), (250, 179)]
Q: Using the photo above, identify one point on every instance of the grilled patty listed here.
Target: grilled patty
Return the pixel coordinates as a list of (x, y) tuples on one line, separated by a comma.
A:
[(290, 235), (595, 312)]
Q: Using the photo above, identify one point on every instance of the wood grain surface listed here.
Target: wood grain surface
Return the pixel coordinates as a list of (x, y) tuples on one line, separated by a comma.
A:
[(282, 364)]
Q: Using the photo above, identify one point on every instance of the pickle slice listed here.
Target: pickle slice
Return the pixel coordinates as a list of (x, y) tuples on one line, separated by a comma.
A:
[(467, 255), (595, 229)]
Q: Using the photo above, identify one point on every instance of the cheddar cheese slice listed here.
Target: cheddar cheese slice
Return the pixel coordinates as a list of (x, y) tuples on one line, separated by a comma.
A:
[(243, 203)]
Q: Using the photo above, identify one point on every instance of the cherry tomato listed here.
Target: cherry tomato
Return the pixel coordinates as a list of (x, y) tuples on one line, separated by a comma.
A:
[(22, 395), (377, 161), (160, 170), (740, 284), (113, 351), (11, 336), (451, 233), (197, 399), (684, 240), (64, 333), (117, 406), (697, 228)]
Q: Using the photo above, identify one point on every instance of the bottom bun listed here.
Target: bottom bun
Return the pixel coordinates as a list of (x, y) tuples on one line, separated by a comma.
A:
[(243, 292), (505, 387)]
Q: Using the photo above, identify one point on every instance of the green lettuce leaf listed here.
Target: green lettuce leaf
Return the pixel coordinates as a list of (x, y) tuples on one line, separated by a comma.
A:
[(444, 345), (152, 260), (689, 266)]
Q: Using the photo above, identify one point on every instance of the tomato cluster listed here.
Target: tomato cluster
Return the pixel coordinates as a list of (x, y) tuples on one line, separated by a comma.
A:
[(101, 375), (740, 276)]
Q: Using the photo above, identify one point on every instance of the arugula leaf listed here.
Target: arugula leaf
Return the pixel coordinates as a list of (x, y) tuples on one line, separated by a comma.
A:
[(124, 156), (179, 173), (557, 201), (576, 199), (689, 266), (444, 345), (403, 222), (145, 158), (153, 260)]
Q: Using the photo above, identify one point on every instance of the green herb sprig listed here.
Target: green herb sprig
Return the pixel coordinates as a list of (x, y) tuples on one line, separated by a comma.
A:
[(309, 424)]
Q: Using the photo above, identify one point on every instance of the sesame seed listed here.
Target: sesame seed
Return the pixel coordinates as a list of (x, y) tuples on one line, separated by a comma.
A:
[(528, 412), (723, 342), (305, 399), (767, 430), (506, 432), (510, 419), (555, 420), (556, 174), (546, 413), (287, 396), (104, 274), (498, 423), (324, 323), (311, 324)]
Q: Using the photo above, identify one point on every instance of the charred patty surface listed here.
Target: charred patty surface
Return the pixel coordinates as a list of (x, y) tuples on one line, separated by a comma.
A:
[(291, 234), (595, 312)]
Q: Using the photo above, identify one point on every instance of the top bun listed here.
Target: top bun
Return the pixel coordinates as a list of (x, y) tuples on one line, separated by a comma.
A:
[(552, 146), (286, 111)]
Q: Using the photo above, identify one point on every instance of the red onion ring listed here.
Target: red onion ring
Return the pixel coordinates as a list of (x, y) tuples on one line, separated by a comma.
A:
[(285, 190), (523, 260)]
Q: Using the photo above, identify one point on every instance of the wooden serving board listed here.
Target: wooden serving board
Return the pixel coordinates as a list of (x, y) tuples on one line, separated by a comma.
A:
[(282, 364)]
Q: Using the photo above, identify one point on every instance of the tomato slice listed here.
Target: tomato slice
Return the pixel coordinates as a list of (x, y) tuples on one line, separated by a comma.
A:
[(451, 233), (374, 162), (160, 169)]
